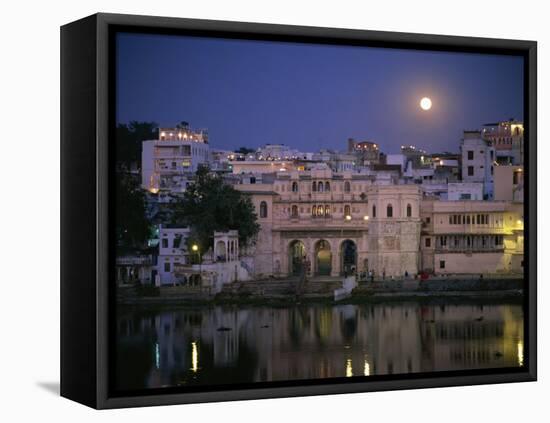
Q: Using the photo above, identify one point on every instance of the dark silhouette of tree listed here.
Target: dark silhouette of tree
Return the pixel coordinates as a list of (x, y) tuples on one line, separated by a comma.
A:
[(128, 142), (208, 205), (132, 227)]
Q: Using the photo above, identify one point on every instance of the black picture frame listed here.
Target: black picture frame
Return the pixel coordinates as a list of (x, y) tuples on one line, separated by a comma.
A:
[(87, 113)]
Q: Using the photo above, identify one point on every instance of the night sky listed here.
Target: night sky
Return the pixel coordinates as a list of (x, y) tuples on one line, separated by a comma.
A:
[(249, 93)]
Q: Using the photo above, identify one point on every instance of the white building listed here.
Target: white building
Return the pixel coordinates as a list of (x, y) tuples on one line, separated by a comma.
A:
[(397, 159), (478, 157), (172, 252), (177, 152)]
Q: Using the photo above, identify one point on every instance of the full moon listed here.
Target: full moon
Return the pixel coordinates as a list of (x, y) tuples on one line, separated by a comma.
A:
[(426, 103)]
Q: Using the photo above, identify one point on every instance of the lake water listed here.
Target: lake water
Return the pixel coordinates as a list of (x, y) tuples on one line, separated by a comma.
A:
[(241, 344)]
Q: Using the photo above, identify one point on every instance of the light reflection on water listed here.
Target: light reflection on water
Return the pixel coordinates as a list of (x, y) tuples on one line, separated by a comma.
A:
[(236, 344)]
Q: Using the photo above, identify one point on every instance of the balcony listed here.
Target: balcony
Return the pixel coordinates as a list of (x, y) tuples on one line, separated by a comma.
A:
[(468, 229), (470, 250)]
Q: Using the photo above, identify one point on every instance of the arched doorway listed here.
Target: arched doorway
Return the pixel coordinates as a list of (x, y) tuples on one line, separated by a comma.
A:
[(348, 254), (296, 254), (323, 258)]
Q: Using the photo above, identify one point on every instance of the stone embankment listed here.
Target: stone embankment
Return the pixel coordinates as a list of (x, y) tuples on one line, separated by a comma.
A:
[(322, 288)]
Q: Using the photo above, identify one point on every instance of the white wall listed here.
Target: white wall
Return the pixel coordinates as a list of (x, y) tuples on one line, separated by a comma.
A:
[(30, 95)]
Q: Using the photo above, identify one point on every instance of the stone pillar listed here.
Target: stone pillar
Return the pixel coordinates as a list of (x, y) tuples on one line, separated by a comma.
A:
[(335, 259), (310, 253)]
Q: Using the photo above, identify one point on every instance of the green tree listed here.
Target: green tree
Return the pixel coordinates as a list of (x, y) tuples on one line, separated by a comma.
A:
[(129, 138), (132, 226), (208, 205)]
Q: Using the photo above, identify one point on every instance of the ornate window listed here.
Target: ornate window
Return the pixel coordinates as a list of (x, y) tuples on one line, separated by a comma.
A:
[(347, 210), (321, 187), (314, 211), (347, 186), (327, 186), (327, 210), (263, 209), (294, 186)]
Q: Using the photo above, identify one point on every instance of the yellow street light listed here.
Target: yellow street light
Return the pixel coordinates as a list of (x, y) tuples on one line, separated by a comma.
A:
[(195, 247)]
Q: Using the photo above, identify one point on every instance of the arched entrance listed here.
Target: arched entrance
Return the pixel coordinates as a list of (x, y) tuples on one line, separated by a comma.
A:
[(348, 254), (296, 255), (323, 258)]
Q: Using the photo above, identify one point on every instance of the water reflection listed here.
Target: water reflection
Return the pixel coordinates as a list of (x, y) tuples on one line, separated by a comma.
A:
[(230, 344)]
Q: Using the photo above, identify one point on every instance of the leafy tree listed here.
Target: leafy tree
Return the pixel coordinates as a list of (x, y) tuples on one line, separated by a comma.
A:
[(129, 138), (208, 205), (132, 227)]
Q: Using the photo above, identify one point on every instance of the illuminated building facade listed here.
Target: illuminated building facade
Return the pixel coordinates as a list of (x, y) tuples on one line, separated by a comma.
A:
[(325, 218), (341, 223), (507, 138), (167, 162), (368, 152), (478, 237)]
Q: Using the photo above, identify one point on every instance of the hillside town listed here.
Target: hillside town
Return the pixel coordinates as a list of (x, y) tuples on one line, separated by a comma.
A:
[(356, 211)]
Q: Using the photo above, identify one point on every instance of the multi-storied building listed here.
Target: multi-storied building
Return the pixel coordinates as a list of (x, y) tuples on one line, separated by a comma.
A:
[(367, 152), (166, 163), (472, 237), (172, 252), (331, 213), (478, 161), (345, 222), (507, 138), (338, 222)]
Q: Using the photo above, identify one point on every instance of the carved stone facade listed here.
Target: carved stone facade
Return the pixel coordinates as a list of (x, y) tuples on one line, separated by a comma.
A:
[(339, 223), (324, 219)]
